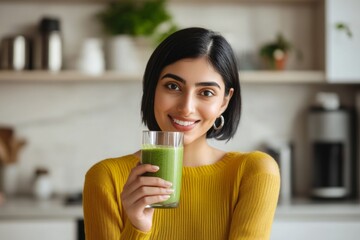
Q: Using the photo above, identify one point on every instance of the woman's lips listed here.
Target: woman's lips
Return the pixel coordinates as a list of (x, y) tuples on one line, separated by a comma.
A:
[(183, 125)]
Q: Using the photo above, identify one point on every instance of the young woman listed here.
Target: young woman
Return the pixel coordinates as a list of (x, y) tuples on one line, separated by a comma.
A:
[(190, 85)]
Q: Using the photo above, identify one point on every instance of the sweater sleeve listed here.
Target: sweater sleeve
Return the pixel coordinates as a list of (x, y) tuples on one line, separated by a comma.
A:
[(258, 195), (102, 214)]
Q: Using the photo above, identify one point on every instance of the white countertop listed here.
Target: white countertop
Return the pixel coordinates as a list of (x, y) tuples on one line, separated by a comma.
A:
[(27, 207), (318, 210)]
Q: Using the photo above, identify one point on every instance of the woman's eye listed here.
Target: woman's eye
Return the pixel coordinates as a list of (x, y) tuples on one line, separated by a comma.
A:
[(207, 93), (172, 86)]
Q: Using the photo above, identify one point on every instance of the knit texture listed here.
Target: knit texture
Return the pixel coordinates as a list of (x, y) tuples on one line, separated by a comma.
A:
[(235, 198)]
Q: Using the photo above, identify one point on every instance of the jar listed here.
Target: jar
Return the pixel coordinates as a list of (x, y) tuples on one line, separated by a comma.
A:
[(15, 53), (9, 175), (91, 59), (42, 188)]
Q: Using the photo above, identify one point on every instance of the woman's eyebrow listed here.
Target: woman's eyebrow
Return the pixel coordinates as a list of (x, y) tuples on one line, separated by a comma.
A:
[(175, 77), (178, 78), (208, 84)]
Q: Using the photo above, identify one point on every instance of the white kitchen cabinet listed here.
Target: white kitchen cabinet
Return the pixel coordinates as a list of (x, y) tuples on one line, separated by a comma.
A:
[(38, 229), (315, 229), (342, 50), (27, 218)]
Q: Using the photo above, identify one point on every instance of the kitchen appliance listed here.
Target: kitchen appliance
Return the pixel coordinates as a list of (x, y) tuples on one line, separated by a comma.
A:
[(282, 151), (15, 53), (48, 53), (331, 146)]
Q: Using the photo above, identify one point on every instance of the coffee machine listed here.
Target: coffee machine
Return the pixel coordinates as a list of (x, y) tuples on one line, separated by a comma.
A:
[(331, 152)]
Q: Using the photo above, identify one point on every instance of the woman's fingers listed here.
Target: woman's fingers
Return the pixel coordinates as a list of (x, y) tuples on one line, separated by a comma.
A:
[(145, 201), (145, 187), (136, 180), (140, 170), (148, 192), (142, 190), (143, 181)]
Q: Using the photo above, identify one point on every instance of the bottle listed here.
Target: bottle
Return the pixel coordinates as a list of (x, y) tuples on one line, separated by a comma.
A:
[(42, 188), (49, 47)]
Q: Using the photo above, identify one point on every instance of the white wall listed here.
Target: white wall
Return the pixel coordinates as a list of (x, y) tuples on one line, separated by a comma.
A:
[(246, 26), (70, 126)]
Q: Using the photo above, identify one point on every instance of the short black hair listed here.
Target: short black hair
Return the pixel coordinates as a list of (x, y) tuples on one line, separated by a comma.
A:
[(193, 43)]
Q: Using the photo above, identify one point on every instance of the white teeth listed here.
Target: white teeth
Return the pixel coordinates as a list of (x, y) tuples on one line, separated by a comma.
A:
[(183, 123)]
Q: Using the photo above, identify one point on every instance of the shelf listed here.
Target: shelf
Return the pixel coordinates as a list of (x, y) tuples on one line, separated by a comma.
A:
[(66, 76), (73, 76), (282, 77)]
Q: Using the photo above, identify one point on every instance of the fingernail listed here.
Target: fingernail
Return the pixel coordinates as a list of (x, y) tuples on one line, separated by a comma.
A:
[(169, 190), (169, 184), (155, 167), (165, 197)]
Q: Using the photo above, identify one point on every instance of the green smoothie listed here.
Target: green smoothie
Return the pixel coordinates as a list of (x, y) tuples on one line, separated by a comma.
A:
[(170, 161)]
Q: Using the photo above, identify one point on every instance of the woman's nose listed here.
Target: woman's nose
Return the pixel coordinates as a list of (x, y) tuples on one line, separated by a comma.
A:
[(186, 104)]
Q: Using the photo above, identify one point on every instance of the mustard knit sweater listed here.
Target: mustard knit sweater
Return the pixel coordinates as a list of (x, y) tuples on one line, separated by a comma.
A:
[(235, 198)]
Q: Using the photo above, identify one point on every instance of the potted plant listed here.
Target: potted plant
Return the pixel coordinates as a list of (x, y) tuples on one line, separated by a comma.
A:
[(131, 24), (275, 53)]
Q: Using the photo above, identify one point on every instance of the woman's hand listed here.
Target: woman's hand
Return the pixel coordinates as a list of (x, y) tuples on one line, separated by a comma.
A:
[(140, 191)]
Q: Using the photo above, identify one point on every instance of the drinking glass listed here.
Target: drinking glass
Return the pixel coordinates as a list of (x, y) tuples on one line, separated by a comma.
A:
[(165, 150)]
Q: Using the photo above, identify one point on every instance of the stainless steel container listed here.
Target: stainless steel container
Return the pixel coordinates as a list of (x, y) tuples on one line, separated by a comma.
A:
[(282, 152), (15, 53), (48, 53)]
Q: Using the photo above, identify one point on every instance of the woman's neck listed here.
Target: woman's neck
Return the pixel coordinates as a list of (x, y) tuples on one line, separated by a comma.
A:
[(200, 153)]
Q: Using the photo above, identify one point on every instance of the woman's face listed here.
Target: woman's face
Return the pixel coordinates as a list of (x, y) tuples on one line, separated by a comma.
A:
[(189, 96)]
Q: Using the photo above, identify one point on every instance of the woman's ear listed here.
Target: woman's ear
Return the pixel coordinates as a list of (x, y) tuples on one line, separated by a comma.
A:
[(226, 100)]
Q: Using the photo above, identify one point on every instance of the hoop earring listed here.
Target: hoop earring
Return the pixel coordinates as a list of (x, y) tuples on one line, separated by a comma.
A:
[(222, 122)]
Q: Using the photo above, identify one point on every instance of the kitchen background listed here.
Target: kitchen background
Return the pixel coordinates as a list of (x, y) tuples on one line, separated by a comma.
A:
[(70, 125)]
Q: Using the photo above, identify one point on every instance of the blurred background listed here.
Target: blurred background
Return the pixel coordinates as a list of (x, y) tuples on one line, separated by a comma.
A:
[(70, 90)]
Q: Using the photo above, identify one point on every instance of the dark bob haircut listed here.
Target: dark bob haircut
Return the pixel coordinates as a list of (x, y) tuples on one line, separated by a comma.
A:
[(193, 43)]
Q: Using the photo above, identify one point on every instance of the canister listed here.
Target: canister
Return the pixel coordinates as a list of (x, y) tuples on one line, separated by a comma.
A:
[(15, 53), (48, 45)]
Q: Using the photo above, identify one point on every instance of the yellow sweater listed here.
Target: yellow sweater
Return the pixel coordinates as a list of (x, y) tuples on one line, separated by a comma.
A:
[(235, 198)]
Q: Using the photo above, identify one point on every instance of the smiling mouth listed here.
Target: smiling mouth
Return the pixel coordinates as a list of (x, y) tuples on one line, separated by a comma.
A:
[(183, 123)]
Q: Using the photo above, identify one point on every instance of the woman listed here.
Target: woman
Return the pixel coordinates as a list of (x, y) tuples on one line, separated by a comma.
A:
[(190, 85)]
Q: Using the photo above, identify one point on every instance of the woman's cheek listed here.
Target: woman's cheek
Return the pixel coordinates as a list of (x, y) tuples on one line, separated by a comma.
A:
[(211, 111)]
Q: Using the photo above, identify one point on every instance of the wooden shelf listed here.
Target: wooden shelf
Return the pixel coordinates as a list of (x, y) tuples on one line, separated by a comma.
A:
[(66, 76), (282, 77), (73, 76)]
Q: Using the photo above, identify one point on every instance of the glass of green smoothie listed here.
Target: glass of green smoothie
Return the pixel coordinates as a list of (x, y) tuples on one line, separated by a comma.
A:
[(164, 149)]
